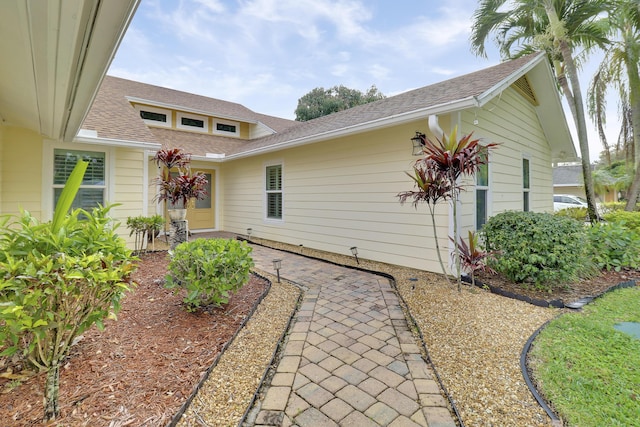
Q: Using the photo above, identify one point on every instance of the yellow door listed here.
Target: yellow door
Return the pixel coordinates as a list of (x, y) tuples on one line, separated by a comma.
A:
[(202, 214)]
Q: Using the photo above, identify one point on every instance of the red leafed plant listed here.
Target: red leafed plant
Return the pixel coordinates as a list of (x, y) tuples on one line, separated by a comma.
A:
[(183, 186), (436, 175), (473, 257)]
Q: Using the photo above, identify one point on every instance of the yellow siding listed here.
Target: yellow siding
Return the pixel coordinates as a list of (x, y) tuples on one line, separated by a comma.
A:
[(352, 203), (127, 188), (21, 172), (244, 130)]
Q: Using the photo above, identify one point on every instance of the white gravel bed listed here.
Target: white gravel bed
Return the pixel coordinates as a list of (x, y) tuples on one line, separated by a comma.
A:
[(228, 391)]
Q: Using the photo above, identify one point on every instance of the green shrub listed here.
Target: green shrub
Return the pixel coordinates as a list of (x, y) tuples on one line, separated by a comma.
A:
[(630, 220), (209, 270), (539, 248), (616, 206), (614, 246), (57, 284), (577, 213)]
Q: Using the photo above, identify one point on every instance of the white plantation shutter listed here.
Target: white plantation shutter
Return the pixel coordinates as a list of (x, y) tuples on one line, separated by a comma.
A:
[(93, 186), (274, 191)]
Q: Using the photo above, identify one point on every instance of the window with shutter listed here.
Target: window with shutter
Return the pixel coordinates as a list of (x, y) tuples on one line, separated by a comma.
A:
[(526, 184), (274, 191), (93, 186), (482, 195)]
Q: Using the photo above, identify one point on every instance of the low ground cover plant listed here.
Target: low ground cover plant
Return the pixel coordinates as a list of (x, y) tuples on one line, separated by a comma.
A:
[(581, 362), (540, 249), (145, 228), (614, 246), (630, 220), (209, 270)]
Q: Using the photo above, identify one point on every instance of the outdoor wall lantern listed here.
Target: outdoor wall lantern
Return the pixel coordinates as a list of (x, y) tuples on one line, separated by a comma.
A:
[(418, 143), (277, 264), (249, 231), (354, 251)]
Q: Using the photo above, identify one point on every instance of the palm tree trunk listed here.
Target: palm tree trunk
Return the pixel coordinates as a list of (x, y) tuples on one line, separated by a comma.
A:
[(634, 102), (576, 104)]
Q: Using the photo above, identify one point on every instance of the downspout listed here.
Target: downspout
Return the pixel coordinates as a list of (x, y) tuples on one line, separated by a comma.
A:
[(434, 126)]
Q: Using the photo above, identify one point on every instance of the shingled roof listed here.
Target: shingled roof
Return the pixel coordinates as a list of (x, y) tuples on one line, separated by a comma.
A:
[(113, 117)]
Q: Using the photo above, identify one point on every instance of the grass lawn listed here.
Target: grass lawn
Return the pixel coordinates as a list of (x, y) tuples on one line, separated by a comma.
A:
[(589, 371)]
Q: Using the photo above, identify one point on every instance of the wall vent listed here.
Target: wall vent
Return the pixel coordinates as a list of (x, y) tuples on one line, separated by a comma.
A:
[(524, 88)]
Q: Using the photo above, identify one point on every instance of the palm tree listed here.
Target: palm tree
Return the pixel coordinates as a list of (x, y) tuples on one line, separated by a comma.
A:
[(557, 27)]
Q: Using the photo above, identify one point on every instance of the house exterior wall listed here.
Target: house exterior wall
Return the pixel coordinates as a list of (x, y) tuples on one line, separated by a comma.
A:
[(338, 194), (510, 120), (20, 171), (343, 193)]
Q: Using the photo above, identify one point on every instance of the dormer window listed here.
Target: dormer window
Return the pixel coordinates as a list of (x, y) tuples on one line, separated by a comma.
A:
[(228, 128), (155, 116), (194, 122)]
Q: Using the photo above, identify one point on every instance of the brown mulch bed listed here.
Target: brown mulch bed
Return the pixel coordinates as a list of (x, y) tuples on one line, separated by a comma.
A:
[(588, 287), (142, 367)]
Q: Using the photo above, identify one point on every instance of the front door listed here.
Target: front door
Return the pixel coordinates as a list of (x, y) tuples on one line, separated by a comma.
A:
[(202, 214)]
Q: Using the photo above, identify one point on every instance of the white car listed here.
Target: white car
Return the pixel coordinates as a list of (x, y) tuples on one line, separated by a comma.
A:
[(563, 201)]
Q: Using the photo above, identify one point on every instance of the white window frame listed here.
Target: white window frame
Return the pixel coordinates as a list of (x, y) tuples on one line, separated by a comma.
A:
[(266, 218), (167, 124), (487, 188), (47, 173), (526, 191), (214, 127), (180, 115)]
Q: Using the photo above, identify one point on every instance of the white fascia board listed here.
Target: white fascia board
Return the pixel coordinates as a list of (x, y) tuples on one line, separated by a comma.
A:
[(118, 143), (363, 127), (137, 100), (101, 42)]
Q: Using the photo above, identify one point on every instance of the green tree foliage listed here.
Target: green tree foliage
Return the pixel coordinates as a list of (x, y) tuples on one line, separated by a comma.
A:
[(321, 102), (58, 279), (209, 270)]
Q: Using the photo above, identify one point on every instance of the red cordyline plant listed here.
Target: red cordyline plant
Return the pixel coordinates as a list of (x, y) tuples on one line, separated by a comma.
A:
[(446, 160), (183, 186), (431, 188), (473, 257)]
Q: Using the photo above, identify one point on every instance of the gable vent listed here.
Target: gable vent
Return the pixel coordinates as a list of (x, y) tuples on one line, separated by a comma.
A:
[(524, 88)]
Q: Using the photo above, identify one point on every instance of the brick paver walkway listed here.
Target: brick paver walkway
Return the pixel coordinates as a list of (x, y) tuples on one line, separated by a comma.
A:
[(349, 359)]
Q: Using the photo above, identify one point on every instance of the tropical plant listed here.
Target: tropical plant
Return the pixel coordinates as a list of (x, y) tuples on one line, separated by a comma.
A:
[(432, 187), (145, 229), (436, 174), (179, 185), (209, 270), (558, 27), (473, 258), (58, 279)]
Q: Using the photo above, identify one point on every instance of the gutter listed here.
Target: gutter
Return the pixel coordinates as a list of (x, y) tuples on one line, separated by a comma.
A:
[(362, 127), (83, 139)]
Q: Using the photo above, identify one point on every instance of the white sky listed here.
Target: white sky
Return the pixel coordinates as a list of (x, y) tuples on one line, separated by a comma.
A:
[(266, 54)]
